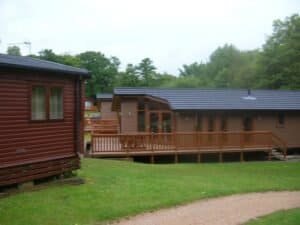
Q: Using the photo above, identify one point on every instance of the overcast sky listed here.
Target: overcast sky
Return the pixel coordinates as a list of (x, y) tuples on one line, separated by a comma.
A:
[(170, 32)]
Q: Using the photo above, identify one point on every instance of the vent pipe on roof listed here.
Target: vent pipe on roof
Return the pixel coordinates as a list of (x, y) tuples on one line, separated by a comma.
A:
[(249, 96)]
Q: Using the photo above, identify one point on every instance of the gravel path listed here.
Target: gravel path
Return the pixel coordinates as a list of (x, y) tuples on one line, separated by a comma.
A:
[(231, 210)]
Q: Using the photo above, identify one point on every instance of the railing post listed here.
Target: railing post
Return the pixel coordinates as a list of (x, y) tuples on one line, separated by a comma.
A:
[(92, 143), (242, 140), (220, 137), (175, 141), (127, 142), (151, 142), (270, 140), (199, 146)]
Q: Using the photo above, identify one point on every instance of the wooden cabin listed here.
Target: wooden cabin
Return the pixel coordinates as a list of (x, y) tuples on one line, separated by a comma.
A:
[(104, 103), (203, 120), (41, 118)]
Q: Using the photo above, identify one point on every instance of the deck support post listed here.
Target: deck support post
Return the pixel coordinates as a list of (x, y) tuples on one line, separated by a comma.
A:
[(199, 158), (270, 154), (220, 157), (242, 156), (152, 159), (176, 158)]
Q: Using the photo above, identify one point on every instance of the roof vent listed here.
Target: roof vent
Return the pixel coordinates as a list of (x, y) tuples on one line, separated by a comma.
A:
[(249, 96)]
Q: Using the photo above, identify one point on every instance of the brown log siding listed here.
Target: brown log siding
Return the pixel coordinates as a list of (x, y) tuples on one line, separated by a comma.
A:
[(23, 140)]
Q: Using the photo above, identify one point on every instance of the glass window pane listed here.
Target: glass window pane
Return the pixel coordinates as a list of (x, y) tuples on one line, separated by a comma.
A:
[(38, 103), (141, 121), (56, 103)]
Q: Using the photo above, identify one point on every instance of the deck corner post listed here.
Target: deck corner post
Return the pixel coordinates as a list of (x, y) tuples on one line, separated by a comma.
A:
[(176, 158), (152, 159), (242, 156), (199, 157), (220, 157)]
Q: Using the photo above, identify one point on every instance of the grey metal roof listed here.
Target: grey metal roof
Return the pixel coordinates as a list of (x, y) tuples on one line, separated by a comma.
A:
[(104, 96), (24, 62), (220, 99)]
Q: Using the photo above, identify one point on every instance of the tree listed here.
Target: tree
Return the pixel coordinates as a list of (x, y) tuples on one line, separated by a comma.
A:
[(280, 60), (194, 69), (128, 78), (227, 67), (48, 54), (103, 71), (13, 50), (146, 71)]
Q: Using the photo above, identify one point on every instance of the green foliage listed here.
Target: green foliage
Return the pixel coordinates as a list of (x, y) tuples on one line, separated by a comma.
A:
[(103, 70), (128, 78), (147, 71), (228, 67), (281, 55), (116, 189), (13, 50)]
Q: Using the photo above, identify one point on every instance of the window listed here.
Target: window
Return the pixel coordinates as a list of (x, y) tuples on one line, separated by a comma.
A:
[(46, 103), (56, 103), (141, 121), (38, 103), (281, 119)]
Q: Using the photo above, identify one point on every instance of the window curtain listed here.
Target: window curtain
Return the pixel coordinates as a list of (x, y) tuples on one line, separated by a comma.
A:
[(38, 104), (56, 103)]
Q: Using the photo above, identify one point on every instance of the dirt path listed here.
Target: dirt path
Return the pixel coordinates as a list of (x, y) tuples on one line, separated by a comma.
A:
[(231, 210)]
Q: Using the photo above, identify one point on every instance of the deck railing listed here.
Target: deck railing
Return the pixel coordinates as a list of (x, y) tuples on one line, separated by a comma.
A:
[(185, 141)]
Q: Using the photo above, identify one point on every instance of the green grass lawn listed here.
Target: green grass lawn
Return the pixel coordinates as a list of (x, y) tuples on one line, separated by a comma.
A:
[(288, 217), (116, 189)]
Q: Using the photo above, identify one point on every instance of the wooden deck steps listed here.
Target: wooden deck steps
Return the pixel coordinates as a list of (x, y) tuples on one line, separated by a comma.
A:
[(278, 155)]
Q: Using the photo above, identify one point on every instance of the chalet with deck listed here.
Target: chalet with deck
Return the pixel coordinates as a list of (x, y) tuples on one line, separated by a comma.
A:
[(185, 121), (41, 118)]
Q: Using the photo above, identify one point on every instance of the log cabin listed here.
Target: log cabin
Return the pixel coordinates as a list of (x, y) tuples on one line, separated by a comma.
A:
[(159, 121), (41, 118)]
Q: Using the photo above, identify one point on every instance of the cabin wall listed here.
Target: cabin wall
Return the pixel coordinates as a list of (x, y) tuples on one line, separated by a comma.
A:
[(262, 121), (186, 122), (106, 112), (24, 142), (290, 131), (129, 116)]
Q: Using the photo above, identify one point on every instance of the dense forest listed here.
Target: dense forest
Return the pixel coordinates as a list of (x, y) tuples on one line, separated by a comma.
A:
[(276, 65)]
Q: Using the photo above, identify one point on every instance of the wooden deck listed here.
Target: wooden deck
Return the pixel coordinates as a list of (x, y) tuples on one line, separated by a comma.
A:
[(139, 144)]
